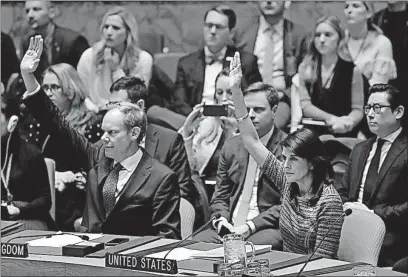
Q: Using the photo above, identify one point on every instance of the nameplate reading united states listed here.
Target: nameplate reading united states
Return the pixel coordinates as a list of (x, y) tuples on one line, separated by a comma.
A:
[(141, 263), (14, 250)]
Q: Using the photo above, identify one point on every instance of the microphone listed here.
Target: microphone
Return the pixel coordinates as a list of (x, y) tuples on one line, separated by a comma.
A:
[(214, 217), (344, 214)]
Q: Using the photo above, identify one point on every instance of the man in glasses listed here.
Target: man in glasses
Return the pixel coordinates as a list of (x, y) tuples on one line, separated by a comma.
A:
[(196, 72), (377, 177)]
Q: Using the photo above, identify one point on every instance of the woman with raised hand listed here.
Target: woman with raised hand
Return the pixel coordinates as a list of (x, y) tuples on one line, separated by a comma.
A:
[(116, 55), (310, 203), (330, 87)]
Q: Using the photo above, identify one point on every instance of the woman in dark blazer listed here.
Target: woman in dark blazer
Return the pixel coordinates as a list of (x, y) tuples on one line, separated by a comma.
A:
[(25, 186)]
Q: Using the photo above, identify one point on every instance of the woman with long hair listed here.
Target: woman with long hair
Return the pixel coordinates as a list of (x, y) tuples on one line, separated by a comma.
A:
[(116, 55), (331, 88), (205, 136), (310, 204), (369, 49)]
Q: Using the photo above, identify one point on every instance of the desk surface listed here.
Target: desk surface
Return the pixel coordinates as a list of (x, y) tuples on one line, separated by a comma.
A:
[(47, 265)]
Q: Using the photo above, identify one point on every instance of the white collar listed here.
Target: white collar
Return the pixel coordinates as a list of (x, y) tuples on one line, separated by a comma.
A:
[(221, 53), (393, 136), (267, 136), (264, 26), (130, 163)]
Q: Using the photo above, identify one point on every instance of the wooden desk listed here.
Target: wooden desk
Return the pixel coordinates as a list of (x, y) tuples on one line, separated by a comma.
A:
[(47, 265)]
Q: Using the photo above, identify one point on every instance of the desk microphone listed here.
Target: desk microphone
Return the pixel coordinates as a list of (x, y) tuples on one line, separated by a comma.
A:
[(344, 214), (214, 217)]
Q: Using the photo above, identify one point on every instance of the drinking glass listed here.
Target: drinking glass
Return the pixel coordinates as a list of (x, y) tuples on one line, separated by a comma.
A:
[(364, 270), (235, 249), (224, 269)]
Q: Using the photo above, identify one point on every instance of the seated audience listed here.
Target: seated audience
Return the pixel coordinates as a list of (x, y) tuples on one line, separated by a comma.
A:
[(376, 178), (243, 195), (61, 45), (196, 72), (331, 88), (123, 181), (310, 205), (116, 55), (25, 187), (204, 136), (279, 45)]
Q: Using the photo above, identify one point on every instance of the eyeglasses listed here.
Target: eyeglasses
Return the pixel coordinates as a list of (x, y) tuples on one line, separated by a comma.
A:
[(218, 27), (52, 87), (376, 107)]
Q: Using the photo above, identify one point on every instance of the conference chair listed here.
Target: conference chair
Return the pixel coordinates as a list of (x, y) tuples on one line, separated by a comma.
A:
[(168, 63), (187, 214), (51, 176), (361, 237)]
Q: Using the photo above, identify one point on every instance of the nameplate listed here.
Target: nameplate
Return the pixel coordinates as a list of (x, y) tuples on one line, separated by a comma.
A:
[(14, 250), (141, 263)]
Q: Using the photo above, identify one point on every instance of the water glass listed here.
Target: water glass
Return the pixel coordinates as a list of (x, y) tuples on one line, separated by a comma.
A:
[(224, 269), (264, 267), (364, 270), (237, 269), (235, 249), (253, 269)]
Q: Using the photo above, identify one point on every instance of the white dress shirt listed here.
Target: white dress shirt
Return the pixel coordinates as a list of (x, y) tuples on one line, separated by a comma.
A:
[(129, 165), (270, 35), (211, 72), (253, 204), (389, 140)]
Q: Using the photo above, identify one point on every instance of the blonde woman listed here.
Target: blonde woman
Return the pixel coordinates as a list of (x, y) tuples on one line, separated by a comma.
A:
[(369, 49), (116, 55)]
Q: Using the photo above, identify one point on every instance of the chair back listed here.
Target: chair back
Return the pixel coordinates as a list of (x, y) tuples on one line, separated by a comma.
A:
[(187, 214), (51, 176), (361, 237), (168, 63)]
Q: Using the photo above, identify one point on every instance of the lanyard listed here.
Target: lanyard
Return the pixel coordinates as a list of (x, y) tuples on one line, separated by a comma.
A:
[(6, 178)]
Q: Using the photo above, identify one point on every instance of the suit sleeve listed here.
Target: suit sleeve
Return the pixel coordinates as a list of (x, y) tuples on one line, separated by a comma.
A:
[(179, 164), (180, 93), (10, 62), (78, 47), (344, 187), (166, 208), (252, 74), (38, 176), (220, 202), (48, 115)]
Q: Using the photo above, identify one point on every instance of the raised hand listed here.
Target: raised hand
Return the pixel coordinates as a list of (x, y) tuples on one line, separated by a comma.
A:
[(235, 74), (31, 58)]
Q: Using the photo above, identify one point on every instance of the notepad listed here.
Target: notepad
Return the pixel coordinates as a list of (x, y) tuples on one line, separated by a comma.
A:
[(219, 252), (178, 254)]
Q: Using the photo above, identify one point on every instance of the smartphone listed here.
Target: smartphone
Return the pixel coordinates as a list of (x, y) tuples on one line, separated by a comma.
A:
[(224, 231), (116, 241), (215, 110)]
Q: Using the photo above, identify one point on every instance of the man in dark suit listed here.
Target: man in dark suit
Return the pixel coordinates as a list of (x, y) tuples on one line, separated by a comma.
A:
[(128, 192), (165, 145), (243, 195), (277, 42), (377, 175), (196, 72), (61, 45)]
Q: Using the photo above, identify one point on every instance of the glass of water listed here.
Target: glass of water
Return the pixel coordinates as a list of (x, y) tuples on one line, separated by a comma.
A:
[(235, 249), (224, 269)]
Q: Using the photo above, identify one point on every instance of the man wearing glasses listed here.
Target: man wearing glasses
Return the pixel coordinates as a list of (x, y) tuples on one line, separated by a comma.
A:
[(196, 72), (377, 177)]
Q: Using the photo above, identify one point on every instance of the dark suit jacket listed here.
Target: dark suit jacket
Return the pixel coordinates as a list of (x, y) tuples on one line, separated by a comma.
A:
[(167, 146), (29, 183), (9, 60), (389, 198), (67, 47), (191, 74), (231, 174), (149, 202), (294, 45)]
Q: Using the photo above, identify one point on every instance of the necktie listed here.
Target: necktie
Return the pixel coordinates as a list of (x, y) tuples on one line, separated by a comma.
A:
[(372, 174), (109, 189), (250, 178), (272, 55)]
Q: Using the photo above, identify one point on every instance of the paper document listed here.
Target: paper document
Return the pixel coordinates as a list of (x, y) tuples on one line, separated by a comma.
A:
[(59, 240), (219, 252), (178, 254)]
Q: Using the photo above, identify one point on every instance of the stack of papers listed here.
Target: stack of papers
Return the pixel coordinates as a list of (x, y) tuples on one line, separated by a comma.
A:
[(219, 252)]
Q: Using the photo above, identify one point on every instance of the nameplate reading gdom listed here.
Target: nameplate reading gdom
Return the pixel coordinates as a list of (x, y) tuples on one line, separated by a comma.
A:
[(16, 250), (141, 263)]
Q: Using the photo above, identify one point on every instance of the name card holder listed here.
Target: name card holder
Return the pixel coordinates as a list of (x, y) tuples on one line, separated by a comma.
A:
[(15, 250), (141, 263)]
